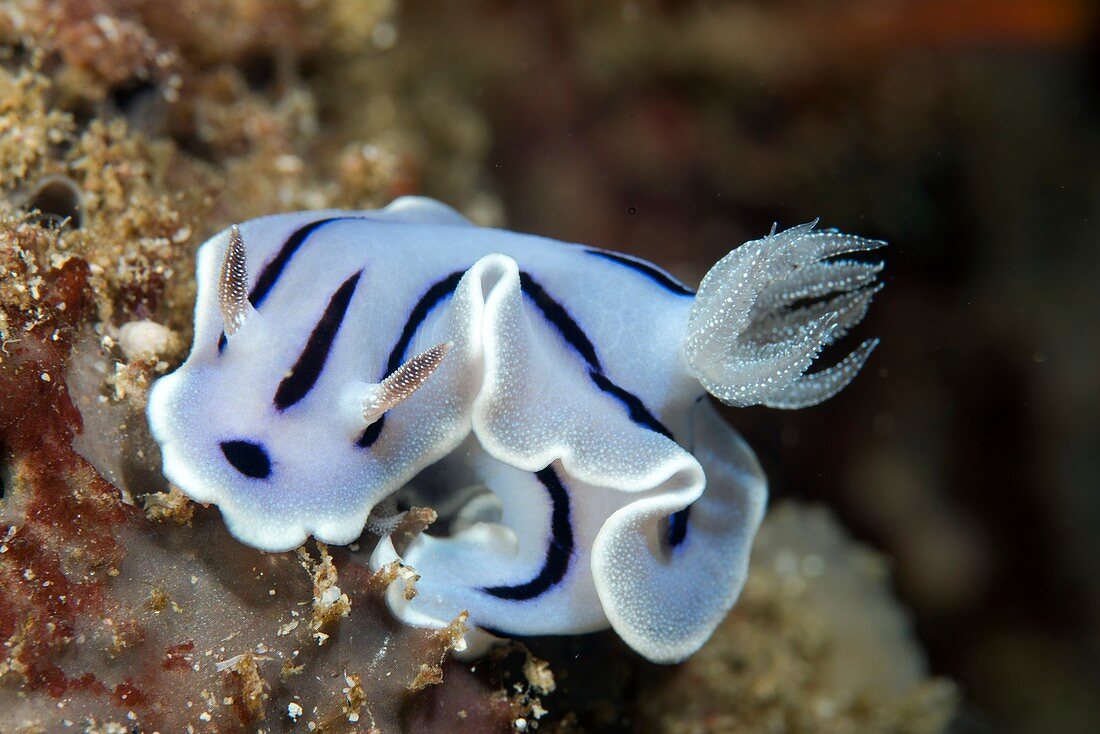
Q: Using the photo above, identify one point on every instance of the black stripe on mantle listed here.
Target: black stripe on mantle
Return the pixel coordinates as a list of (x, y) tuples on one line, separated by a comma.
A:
[(647, 269), (573, 334), (558, 551), (275, 267), (303, 375), (436, 294), (556, 314)]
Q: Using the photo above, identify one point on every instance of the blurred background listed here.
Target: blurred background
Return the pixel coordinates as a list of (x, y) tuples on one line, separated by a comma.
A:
[(965, 132)]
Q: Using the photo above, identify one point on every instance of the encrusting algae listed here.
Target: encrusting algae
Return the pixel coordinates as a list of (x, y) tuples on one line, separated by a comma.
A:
[(129, 132)]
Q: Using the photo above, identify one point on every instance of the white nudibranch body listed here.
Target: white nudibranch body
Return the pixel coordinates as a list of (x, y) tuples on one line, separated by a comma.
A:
[(548, 399)]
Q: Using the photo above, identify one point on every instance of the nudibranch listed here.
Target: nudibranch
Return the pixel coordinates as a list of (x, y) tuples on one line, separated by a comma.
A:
[(552, 396)]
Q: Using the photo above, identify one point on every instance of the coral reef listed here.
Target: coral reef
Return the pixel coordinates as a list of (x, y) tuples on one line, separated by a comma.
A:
[(130, 131)]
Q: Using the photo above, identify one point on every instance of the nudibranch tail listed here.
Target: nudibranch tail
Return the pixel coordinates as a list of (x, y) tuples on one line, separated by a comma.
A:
[(403, 382), (749, 343), (233, 283)]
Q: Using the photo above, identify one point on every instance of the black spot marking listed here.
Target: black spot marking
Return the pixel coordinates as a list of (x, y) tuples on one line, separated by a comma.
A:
[(558, 552), (649, 270), (431, 298), (303, 375), (248, 458)]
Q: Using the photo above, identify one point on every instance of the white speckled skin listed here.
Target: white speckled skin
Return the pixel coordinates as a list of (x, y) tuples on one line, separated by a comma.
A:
[(662, 601), (517, 394)]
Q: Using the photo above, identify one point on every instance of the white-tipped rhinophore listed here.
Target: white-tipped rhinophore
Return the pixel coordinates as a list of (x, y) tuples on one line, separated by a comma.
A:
[(748, 342), (403, 382), (233, 283)]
